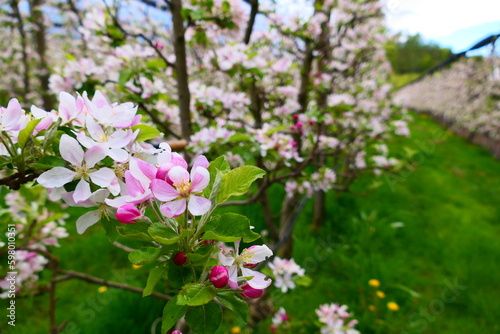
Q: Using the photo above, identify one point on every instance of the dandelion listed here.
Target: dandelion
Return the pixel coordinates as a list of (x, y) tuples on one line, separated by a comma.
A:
[(374, 283), (380, 294), (393, 306), (102, 289)]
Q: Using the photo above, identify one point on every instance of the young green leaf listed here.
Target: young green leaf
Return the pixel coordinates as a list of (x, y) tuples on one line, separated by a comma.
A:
[(195, 294), (146, 132), (25, 133), (239, 307), (230, 227), (163, 234), (171, 314), (137, 231), (237, 182), (178, 276), (204, 319), (144, 255), (154, 277)]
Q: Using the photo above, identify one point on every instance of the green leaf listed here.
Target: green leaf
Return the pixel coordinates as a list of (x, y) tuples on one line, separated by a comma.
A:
[(204, 319), (218, 165), (163, 234), (125, 76), (276, 129), (303, 280), (146, 132), (237, 182), (239, 307), (230, 227), (25, 133), (154, 277), (195, 294), (110, 226), (156, 64), (144, 255), (178, 276), (48, 162), (238, 137), (137, 231), (171, 314), (226, 7)]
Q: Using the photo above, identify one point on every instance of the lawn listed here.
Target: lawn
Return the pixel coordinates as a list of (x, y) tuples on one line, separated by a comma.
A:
[(430, 235)]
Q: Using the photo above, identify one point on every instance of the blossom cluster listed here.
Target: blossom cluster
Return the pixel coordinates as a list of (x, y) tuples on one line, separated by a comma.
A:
[(284, 271), (336, 319)]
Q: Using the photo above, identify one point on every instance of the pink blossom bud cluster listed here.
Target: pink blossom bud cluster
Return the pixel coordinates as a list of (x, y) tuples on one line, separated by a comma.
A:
[(336, 319), (236, 271), (279, 318), (28, 265), (284, 271)]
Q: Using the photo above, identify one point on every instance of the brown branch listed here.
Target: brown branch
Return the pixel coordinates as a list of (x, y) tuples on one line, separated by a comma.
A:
[(251, 20), (96, 280), (14, 181)]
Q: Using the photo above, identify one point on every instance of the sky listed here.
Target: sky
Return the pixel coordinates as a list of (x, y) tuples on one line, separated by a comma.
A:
[(457, 24)]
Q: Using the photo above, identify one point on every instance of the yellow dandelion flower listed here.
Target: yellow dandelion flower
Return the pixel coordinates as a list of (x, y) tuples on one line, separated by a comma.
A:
[(374, 283), (380, 294), (235, 330), (393, 306), (135, 266), (372, 308), (102, 289)]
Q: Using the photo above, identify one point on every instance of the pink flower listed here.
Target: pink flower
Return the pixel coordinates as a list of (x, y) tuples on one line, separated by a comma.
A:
[(82, 164), (12, 118), (179, 189), (127, 214), (249, 257)]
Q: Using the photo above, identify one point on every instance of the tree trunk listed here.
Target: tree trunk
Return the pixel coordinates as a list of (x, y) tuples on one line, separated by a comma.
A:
[(181, 69), (41, 49)]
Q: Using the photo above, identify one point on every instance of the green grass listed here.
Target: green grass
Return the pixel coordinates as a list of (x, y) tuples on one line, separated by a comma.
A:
[(448, 201)]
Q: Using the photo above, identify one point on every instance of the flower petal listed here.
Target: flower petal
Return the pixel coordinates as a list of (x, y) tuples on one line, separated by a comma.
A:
[(200, 161), (258, 281), (94, 155), (56, 177), (178, 174), (87, 220), (259, 253), (233, 277), (118, 155), (173, 209), (200, 177), (163, 191), (82, 191), (70, 150), (103, 177), (94, 129), (198, 205)]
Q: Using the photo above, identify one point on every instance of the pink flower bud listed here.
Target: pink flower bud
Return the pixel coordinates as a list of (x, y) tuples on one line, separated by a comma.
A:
[(299, 125), (273, 327), (249, 292), (127, 214), (176, 332), (219, 276), (295, 117), (180, 258)]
